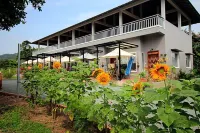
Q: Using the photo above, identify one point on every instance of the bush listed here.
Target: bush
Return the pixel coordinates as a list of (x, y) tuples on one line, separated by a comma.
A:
[(8, 73), (184, 75)]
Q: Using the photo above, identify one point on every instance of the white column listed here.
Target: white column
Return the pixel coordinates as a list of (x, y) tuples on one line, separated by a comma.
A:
[(73, 37), (58, 41), (93, 30), (47, 43), (121, 22), (38, 47), (190, 28), (179, 20), (163, 11)]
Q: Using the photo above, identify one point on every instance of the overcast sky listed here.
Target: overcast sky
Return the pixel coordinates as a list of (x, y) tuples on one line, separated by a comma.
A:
[(57, 15)]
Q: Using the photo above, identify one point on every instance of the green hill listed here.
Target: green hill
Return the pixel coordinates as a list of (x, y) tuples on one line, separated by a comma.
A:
[(8, 56)]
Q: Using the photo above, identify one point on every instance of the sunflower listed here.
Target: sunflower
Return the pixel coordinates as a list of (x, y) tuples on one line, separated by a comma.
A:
[(138, 86), (56, 65), (40, 66), (160, 72), (96, 72), (103, 78)]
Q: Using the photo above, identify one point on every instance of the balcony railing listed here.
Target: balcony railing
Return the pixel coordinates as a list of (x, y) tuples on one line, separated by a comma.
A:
[(83, 39), (148, 22), (66, 44)]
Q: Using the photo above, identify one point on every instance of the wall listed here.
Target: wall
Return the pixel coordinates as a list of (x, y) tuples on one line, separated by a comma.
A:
[(178, 39), (145, 44)]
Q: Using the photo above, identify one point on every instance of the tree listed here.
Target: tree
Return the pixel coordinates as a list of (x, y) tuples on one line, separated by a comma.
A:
[(26, 49), (196, 51), (12, 12)]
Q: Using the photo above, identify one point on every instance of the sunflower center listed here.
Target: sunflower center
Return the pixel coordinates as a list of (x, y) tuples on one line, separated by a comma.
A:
[(161, 70), (103, 79)]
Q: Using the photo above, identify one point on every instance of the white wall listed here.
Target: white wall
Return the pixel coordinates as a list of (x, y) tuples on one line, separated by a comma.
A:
[(177, 39)]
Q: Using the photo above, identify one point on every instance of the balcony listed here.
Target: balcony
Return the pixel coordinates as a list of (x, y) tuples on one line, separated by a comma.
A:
[(138, 25)]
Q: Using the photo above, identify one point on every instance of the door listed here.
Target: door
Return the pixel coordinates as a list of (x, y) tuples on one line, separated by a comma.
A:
[(153, 57)]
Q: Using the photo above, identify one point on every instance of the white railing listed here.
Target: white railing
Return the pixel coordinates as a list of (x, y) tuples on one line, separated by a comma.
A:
[(66, 44), (83, 39), (143, 23), (148, 22), (45, 50), (107, 33)]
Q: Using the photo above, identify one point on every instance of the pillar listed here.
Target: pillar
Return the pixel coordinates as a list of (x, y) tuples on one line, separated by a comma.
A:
[(47, 43), (73, 37), (179, 20), (163, 11), (121, 22), (38, 47), (93, 30), (58, 42), (190, 28)]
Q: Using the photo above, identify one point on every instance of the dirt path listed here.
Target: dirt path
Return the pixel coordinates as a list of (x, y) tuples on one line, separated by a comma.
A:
[(39, 114)]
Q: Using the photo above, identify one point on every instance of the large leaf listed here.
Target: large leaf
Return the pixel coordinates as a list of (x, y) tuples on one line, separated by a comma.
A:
[(184, 131), (188, 93), (152, 95), (168, 116), (152, 129)]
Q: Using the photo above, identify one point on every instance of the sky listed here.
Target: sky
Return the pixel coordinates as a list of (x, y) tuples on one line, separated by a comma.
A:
[(57, 15)]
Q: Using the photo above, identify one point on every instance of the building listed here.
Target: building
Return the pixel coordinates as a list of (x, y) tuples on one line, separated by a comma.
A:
[(155, 26)]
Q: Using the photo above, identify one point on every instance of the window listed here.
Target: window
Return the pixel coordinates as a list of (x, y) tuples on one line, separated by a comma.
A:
[(188, 61), (175, 59)]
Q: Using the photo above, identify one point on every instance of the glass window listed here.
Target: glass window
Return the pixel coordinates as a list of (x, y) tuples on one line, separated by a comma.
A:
[(188, 61), (175, 59)]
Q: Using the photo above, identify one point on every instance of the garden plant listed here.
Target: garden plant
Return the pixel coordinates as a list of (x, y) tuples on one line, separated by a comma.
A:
[(95, 106)]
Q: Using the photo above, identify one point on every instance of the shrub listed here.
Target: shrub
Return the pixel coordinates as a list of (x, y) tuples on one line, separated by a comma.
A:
[(8, 73), (184, 75)]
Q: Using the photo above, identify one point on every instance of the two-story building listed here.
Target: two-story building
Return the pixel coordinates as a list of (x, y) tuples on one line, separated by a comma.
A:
[(154, 26)]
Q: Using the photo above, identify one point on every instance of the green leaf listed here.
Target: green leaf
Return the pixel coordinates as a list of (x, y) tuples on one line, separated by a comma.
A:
[(176, 84), (152, 95), (132, 108), (184, 131), (188, 93), (152, 129), (167, 117), (182, 122)]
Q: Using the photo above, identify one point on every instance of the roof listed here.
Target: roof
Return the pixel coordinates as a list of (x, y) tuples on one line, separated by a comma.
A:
[(185, 5), (189, 9)]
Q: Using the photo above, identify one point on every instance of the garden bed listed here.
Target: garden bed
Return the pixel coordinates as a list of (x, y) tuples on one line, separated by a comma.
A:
[(36, 114)]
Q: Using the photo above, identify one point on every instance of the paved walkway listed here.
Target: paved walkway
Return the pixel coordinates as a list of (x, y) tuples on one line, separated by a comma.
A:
[(10, 86)]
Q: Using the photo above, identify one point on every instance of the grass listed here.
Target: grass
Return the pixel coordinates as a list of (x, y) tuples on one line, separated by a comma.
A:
[(12, 121)]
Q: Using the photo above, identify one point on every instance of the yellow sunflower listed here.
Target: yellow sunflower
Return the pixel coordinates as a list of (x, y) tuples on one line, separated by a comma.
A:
[(160, 72), (103, 78), (40, 66), (96, 72), (56, 65), (138, 86)]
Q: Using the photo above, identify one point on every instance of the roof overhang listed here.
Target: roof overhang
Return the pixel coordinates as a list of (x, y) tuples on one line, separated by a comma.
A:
[(184, 5)]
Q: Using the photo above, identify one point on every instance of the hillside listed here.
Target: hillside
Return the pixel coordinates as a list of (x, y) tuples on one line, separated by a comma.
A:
[(8, 56)]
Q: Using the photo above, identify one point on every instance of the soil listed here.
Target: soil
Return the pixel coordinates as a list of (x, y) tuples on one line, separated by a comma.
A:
[(39, 114)]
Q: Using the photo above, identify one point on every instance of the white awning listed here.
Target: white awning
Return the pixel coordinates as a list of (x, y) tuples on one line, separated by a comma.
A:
[(115, 54), (48, 59), (87, 56), (66, 59), (39, 61), (29, 62)]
